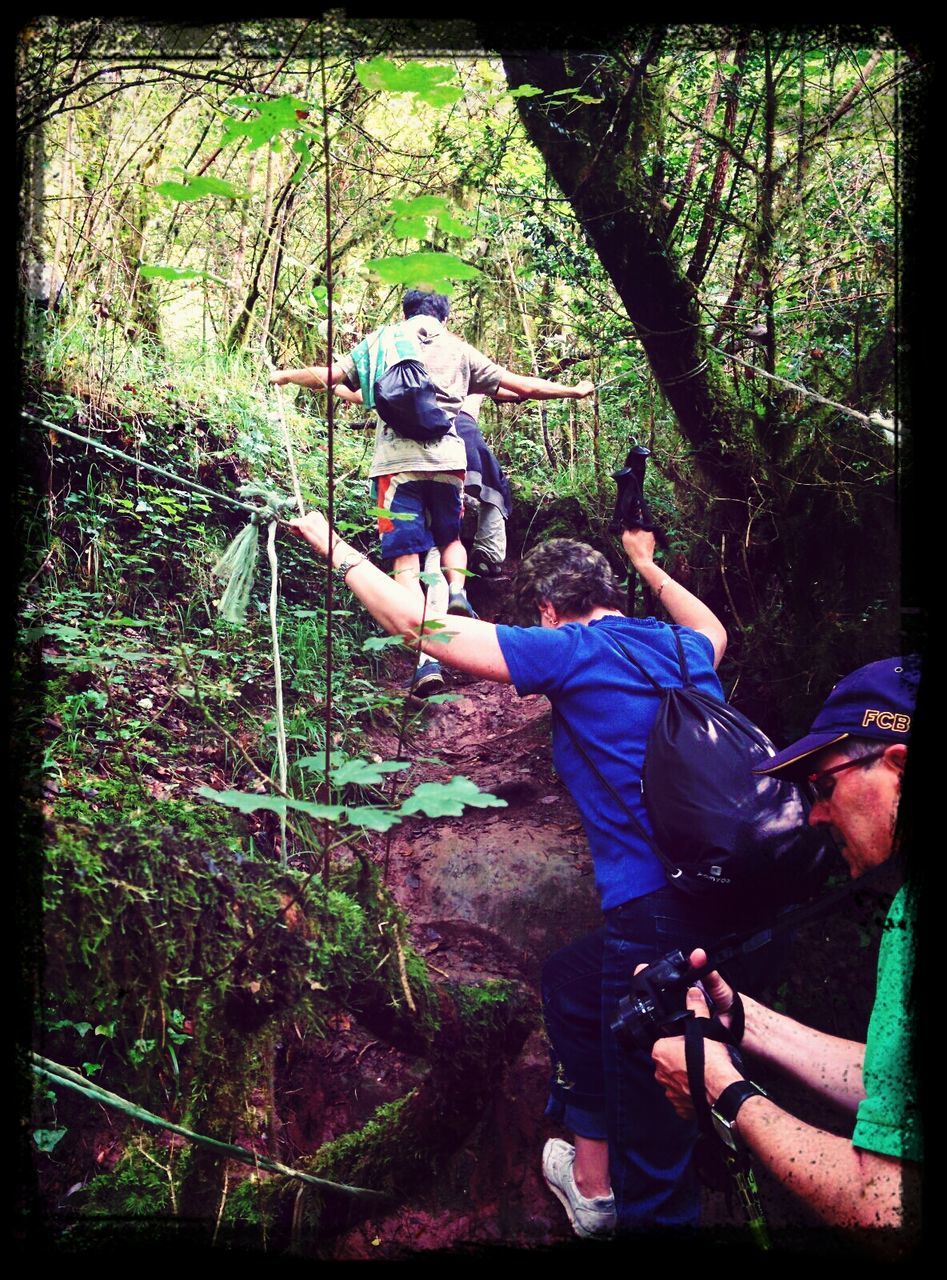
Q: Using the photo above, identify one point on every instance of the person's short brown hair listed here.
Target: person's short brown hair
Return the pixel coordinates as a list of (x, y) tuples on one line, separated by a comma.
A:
[(573, 577)]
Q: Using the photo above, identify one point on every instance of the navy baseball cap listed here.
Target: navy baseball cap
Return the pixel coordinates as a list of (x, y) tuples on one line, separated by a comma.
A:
[(876, 701)]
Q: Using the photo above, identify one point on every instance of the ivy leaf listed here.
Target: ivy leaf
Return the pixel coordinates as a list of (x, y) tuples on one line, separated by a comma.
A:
[(584, 97), (447, 799), (423, 271), (525, 91), (47, 1139), (430, 82), (200, 188)]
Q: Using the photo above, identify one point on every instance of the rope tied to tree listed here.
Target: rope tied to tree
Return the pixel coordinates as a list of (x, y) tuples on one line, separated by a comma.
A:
[(236, 568)]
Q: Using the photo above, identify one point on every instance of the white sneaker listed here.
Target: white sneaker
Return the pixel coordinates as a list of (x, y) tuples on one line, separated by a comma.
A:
[(589, 1218)]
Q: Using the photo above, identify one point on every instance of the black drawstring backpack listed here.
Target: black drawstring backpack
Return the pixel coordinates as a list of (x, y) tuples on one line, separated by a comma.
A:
[(721, 832)]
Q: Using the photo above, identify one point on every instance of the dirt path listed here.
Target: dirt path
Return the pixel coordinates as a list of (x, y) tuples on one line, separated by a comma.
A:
[(489, 894)]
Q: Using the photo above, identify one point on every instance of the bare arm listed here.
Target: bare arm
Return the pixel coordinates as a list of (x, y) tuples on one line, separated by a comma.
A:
[(844, 1185), (349, 396), (828, 1065), (472, 645), (542, 388), (681, 604), (315, 376)]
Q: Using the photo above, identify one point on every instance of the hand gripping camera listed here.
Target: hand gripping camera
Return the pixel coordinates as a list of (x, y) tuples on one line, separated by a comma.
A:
[(631, 506), (656, 1002)]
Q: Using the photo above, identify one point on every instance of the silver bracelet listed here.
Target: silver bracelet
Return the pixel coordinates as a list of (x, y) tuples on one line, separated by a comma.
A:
[(347, 565)]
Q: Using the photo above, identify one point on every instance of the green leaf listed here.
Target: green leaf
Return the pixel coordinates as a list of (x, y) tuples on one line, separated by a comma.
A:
[(274, 116), (438, 698), (353, 771), (152, 270), (381, 514), (447, 799), (47, 1139), (248, 802), (423, 270), (409, 228), (200, 188), (409, 217), (584, 97), (83, 1028), (430, 82), (366, 773), (90, 1068), (375, 644), (525, 91), (301, 147), (372, 818)]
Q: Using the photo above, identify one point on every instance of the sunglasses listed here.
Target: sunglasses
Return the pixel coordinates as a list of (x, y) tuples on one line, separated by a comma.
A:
[(823, 790)]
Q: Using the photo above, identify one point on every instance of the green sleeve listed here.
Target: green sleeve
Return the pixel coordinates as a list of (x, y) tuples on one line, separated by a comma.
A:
[(888, 1119)]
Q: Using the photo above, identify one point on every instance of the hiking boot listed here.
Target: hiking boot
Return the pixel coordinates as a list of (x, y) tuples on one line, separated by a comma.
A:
[(485, 566), (427, 680), (590, 1219), (459, 605)]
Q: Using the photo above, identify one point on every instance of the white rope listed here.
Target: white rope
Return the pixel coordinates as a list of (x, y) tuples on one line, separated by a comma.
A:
[(281, 755)]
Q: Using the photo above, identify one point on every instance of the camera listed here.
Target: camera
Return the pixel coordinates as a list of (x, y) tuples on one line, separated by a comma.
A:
[(656, 1001), (631, 507)]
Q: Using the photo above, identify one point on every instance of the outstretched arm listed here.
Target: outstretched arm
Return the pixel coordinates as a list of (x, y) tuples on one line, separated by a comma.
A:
[(681, 604), (472, 645), (315, 376), (542, 388), (845, 1185)]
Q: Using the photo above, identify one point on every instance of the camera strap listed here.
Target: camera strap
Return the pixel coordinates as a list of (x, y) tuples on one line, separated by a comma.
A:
[(714, 1156), (696, 1031)]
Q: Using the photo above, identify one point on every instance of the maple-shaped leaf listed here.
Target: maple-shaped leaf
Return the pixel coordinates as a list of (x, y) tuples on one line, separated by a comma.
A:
[(447, 799)]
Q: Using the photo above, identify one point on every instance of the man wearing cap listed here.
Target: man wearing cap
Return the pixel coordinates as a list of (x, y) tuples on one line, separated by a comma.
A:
[(854, 758)]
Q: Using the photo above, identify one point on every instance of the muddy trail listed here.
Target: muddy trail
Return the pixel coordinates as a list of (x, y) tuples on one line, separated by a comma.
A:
[(490, 895)]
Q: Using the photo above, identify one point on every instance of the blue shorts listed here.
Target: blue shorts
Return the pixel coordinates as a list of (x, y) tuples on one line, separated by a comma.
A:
[(435, 501)]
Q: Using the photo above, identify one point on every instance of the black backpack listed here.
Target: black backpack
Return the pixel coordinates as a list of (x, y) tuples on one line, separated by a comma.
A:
[(404, 394), (721, 832)]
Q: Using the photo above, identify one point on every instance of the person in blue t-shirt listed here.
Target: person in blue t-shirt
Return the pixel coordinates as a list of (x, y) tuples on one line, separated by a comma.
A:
[(630, 1164)]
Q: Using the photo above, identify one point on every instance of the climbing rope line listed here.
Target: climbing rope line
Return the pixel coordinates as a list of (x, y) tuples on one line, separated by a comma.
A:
[(236, 568), (137, 462), (65, 1078), (875, 421)]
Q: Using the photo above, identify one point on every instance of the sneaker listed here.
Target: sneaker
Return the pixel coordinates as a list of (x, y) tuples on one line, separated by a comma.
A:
[(427, 680), (589, 1218), (459, 604)]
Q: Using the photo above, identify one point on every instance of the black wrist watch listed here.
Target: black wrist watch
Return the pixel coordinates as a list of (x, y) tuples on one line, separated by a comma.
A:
[(724, 1111)]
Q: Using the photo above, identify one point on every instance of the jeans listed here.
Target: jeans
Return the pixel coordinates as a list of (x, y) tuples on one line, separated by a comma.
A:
[(604, 1089)]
